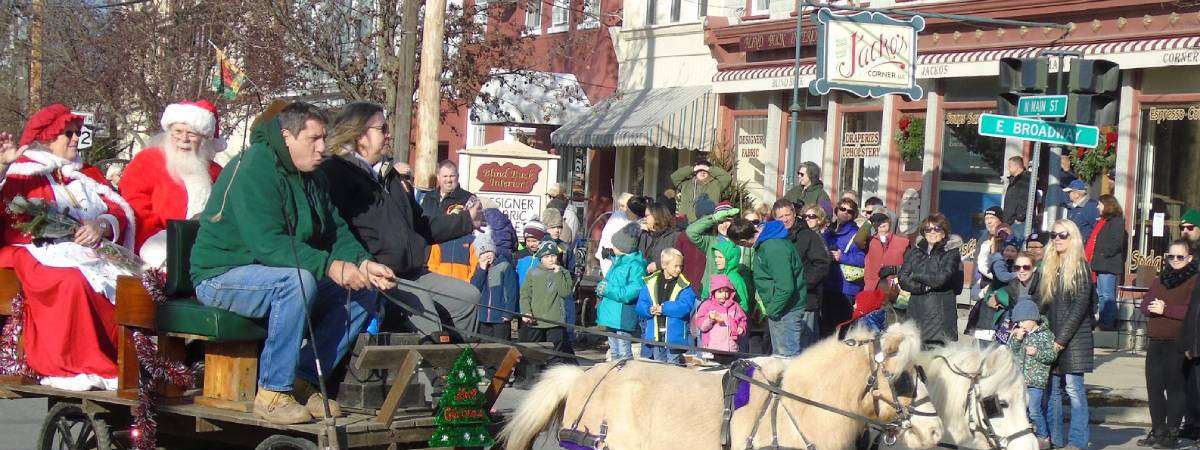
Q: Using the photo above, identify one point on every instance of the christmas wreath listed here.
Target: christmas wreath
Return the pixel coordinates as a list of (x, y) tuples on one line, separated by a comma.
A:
[(910, 137), (1088, 163)]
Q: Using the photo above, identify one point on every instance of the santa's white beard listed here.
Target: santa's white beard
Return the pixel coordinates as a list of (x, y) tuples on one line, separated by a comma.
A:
[(191, 169)]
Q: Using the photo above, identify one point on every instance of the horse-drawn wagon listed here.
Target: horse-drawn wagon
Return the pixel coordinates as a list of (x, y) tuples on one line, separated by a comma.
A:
[(396, 379)]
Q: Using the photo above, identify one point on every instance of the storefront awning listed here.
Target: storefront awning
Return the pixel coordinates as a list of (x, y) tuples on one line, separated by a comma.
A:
[(682, 118), (529, 98), (1162, 52)]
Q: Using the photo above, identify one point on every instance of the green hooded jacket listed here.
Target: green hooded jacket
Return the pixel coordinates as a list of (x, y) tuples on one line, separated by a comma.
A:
[(265, 211)]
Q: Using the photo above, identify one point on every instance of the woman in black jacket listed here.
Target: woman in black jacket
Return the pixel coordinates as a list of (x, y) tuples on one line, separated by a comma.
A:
[(1106, 252), (1066, 295), (932, 273), (659, 233), (385, 217)]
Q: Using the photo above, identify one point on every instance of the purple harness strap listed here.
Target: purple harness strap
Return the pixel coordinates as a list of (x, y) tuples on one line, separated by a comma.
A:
[(742, 396)]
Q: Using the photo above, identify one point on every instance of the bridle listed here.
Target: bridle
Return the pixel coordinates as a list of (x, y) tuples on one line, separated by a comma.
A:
[(981, 410), (889, 431)]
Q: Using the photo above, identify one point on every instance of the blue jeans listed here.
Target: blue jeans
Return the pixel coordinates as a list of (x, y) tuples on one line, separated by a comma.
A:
[(664, 354), (620, 348), (1106, 292), (1077, 435), (276, 293), (792, 332), (1034, 407)]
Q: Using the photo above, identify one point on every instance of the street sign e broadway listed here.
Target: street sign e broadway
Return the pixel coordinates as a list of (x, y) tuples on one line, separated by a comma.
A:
[(1039, 130), (867, 53), (1042, 106)]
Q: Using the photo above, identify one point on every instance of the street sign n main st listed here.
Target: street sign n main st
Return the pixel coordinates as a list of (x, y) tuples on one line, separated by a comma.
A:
[(1042, 106), (1039, 130)]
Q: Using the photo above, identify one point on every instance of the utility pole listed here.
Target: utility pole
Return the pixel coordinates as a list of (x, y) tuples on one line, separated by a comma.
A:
[(35, 56), (429, 94), (403, 113)]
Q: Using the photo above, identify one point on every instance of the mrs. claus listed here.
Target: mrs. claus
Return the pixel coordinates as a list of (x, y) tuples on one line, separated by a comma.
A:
[(69, 332), (171, 179)]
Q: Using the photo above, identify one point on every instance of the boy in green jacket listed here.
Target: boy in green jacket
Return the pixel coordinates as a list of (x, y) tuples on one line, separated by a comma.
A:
[(543, 294), (270, 245)]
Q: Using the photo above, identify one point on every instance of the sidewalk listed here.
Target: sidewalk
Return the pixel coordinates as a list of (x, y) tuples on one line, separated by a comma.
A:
[(1117, 388)]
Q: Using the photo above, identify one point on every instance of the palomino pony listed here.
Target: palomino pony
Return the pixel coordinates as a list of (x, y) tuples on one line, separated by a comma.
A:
[(980, 394), (636, 405)]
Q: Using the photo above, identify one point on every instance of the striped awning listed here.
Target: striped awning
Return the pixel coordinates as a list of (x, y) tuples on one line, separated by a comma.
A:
[(1161, 52), (681, 118)]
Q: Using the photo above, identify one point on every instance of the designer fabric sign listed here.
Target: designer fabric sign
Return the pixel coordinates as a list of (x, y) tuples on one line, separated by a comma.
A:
[(867, 53)]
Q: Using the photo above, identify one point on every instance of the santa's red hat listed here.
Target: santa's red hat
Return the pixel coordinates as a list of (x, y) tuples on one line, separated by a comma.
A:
[(200, 116), (48, 123)]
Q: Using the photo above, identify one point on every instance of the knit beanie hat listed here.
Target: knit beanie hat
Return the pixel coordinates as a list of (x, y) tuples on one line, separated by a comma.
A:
[(704, 206), (552, 217), (483, 243), (534, 229), (625, 239), (1192, 216), (1025, 309), (723, 206), (547, 248)]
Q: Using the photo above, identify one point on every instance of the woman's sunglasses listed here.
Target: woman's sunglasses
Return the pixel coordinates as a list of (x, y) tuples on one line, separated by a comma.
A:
[(810, 216), (1186, 227), (72, 133), (1060, 236), (1023, 267), (1176, 257), (933, 229)]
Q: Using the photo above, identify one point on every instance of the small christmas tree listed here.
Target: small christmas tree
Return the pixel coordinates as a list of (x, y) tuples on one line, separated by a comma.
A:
[(461, 420)]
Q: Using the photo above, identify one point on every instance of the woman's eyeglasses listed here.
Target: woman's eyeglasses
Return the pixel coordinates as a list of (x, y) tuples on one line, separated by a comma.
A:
[(1023, 267), (1061, 236), (382, 128), (933, 229), (1170, 257)]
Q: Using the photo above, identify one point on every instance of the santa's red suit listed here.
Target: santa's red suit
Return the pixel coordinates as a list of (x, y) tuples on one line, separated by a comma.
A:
[(69, 326), (156, 197)]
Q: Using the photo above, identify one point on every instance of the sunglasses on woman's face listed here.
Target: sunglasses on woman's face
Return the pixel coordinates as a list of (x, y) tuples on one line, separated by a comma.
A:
[(933, 229), (1170, 257), (810, 216), (72, 133), (756, 222), (1060, 236), (1023, 267)]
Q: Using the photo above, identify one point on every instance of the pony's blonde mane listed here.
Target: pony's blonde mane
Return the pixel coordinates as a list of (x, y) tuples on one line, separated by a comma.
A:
[(832, 373)]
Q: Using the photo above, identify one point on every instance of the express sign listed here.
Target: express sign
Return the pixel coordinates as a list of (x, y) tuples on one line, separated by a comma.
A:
[(868, 54)]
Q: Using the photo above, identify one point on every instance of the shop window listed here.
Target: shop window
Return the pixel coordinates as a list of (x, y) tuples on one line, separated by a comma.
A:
[(972, 89), (533, 17), (810, 146), (1167, 176), (760, 7), (1170, 80), (972, 167), (752, 154), (860, 152), (668, 162), (752, 101), (910, 141)]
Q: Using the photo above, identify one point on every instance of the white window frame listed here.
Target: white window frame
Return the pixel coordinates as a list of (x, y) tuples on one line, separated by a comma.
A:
[(481, 13), (760, 10), (560, 17), (533, 11), (675, 15), (591, 14), (651, 12)]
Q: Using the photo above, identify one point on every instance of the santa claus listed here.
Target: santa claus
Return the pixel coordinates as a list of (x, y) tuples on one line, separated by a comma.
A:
[(69, 331), (171, 180)]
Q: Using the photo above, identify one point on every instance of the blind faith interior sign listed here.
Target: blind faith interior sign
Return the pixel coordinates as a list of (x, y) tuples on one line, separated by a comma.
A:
[(867, 53)]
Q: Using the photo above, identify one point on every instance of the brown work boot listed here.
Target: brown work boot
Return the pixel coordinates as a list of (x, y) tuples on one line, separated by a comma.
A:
[(279, 408), (303, 389)]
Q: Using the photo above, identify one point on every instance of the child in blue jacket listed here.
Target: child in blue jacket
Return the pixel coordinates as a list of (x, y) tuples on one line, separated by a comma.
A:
[(618, 293), (665, 305), (496, 280)]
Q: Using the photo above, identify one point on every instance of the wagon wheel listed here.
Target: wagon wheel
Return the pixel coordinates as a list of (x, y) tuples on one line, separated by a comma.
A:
[(67, 427), (282, 442)]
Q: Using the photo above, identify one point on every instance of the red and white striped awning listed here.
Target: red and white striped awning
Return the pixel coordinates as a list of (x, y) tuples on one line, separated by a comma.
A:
[(1162, 52)]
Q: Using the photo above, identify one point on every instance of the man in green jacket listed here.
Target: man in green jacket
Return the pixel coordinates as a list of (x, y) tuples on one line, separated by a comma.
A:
[(695, 181), (779, 282), (271, 245)]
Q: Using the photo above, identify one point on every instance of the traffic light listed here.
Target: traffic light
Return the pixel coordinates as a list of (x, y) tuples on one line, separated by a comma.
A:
[(1020, 77), (1094, 86)]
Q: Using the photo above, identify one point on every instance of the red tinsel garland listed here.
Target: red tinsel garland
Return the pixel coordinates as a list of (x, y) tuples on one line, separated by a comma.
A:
[(12, 363), (154, 369)]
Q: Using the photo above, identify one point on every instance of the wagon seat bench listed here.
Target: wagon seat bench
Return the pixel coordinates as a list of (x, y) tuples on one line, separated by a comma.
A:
[(231, 342)]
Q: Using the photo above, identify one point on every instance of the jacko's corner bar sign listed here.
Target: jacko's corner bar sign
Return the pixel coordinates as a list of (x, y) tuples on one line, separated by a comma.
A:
[(868, 54)]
